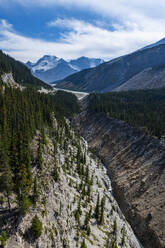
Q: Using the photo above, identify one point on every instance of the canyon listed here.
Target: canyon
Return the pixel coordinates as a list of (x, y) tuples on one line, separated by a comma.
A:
[(136, 166)]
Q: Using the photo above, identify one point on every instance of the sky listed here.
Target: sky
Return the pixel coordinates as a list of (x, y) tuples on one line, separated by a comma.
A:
[(69, 29)]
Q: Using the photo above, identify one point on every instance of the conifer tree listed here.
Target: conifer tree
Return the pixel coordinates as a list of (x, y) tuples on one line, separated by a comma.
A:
[(83, 245), (101, 221), (6, 181), (87, 219), (115, 226), (36, 227), (24, 203), (39, 157), (3, 239), (35, 192), (56, 172), (97, 208)]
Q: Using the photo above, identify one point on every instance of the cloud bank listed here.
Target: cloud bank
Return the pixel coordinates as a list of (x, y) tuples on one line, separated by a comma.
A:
[(134, 24)]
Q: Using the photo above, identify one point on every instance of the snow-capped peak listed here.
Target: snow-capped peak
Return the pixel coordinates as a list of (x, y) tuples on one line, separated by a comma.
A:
[(51, 68), (45, 63)]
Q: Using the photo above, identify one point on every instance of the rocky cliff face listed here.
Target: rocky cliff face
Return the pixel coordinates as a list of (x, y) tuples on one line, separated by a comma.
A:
[(67, 184), (136, 166)]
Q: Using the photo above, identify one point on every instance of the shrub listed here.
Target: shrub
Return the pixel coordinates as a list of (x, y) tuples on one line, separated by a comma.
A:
[(3, 238)]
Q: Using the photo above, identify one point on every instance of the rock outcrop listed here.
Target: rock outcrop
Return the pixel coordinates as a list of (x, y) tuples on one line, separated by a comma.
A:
[(136, 166)]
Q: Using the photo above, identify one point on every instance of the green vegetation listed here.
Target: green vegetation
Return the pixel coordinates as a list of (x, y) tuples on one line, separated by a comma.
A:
[(3, 239), (143, 108), (114, 244), (35, 192), (66, 103), (22, 114), (97, 208), (36, 227), (21, 73), (101, 220), (83, 245), (56, 172), (115, 226), (123, 241), (87, 220)]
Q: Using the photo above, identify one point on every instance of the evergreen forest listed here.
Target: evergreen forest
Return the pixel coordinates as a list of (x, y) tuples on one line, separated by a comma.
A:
[(143, 108)]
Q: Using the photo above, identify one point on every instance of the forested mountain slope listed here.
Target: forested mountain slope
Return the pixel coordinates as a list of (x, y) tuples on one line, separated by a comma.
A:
[(20, 72), (116, 72)]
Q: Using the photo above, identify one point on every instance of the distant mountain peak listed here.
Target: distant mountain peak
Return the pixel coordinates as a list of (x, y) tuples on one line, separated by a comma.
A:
[(50, 68), (49, 57)]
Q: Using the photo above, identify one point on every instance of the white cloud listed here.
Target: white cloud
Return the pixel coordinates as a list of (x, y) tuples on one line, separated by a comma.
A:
[(136, 22), (81, 38), (4, 25)]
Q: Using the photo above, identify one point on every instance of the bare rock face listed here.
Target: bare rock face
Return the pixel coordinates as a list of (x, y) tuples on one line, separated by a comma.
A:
[(136, 166), (150, 78)]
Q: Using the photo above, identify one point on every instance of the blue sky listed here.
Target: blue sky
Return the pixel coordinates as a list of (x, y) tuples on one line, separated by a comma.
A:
[(70, 28)]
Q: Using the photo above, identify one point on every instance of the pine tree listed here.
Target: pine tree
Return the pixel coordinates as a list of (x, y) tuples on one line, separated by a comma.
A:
[(6, 181), (115, 226), (24, 203), (35, 192), (3, 239), (83, 245), (114, 244), (39, 157), (87, 175), (36, 227), (101, 221), (86, 221), (77, 217), (123, 242), (97, 208), (56, 172)]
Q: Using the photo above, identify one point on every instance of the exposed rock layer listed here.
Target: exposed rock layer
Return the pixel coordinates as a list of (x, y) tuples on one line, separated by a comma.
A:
[(136, 166)]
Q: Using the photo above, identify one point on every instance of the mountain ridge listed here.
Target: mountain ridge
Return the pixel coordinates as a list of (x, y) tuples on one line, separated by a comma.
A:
[(110, 75), (51, 68)]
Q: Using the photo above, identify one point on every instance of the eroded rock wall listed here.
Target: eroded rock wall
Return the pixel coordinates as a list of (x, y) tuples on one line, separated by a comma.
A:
[(136, 166)]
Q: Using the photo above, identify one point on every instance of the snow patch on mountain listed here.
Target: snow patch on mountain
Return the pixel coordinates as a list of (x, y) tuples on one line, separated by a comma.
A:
[(51, 68), (45, 63)]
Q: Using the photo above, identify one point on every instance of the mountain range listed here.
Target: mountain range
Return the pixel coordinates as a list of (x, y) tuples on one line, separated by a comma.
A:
[(51, 68), (141, 69)]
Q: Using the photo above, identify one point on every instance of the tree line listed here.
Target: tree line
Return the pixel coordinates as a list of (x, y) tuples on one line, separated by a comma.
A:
[(142, 108)]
